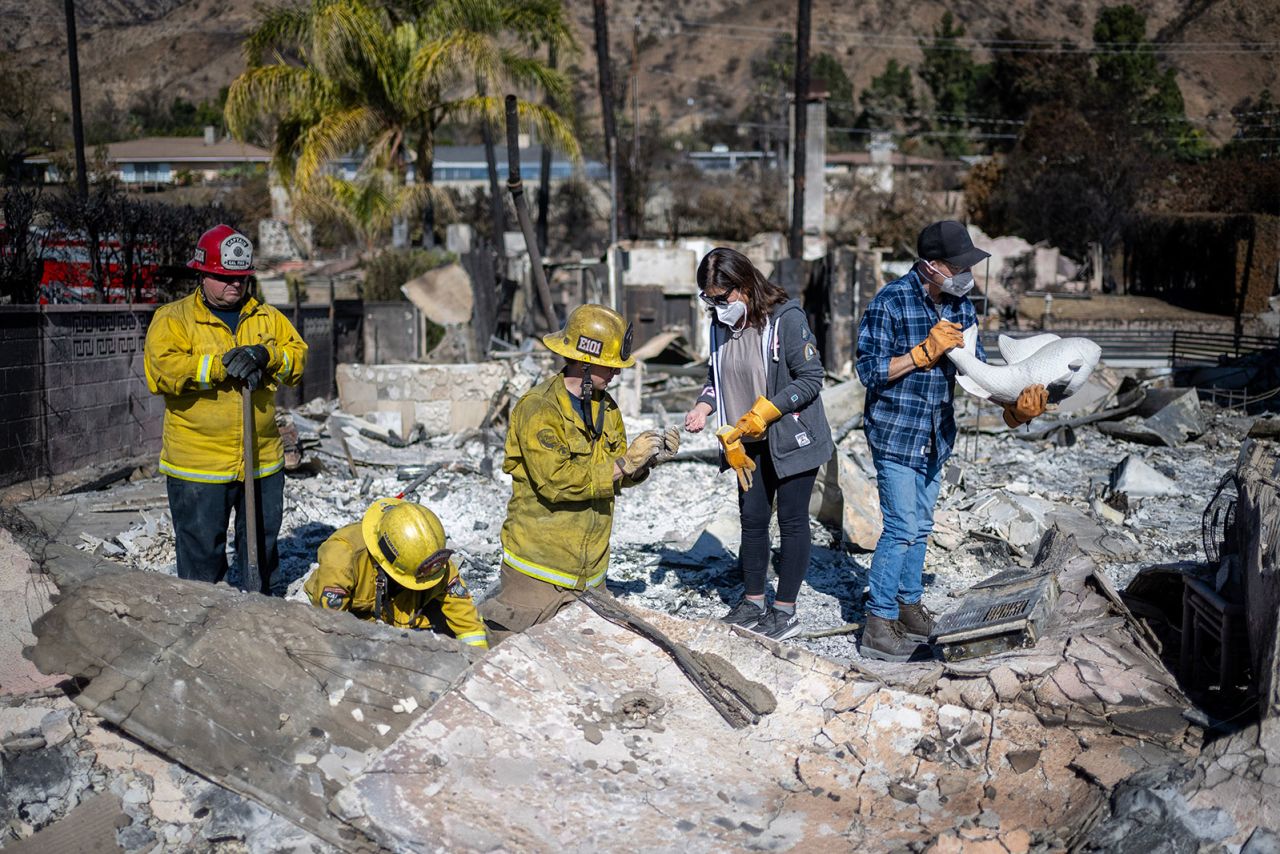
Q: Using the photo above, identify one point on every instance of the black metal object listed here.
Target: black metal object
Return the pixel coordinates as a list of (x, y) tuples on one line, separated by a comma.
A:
[(516, 188), (1006, 611), (1218, 520)]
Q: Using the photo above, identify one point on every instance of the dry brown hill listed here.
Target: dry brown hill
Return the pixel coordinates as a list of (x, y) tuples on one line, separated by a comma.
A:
[(702, 52)]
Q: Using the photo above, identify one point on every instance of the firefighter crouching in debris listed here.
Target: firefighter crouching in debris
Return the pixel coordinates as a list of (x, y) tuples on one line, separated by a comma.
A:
[(909, 420), (200, 352), (393, 567), (568, 458)]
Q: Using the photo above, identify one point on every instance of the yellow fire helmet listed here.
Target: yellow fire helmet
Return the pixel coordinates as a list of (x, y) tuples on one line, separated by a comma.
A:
[(407, 541), (594, 334)]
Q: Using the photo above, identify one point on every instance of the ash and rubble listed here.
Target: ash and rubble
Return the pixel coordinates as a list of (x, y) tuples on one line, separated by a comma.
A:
[(674, 552), (675, 538)]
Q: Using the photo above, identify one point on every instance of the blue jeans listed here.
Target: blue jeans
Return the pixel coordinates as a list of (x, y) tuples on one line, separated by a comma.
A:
[(200, 514), (907, 497)]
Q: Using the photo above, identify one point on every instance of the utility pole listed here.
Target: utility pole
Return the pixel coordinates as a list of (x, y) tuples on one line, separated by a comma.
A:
[(497, 207), (796, 242), (605, 78), (635, 105), (77, 124), (544, 179)]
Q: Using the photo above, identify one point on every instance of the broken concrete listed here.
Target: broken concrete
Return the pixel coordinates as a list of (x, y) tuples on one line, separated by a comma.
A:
[(846, 498), (548, 725), (279, 701), (444, 399), (1136, 479), (24, 596)]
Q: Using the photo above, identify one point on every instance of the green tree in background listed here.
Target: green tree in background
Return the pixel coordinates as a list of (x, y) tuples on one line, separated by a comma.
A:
[(889, 103), (342, 77), (953, 80), (773, 75), (1129, 80), (1257, 132), (840, 107)]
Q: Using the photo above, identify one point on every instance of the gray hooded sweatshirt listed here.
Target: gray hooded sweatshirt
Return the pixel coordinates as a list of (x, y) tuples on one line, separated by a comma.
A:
[(801, 439)]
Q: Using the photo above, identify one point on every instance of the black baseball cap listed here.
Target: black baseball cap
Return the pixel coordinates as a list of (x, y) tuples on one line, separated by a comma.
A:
[(949, 241)]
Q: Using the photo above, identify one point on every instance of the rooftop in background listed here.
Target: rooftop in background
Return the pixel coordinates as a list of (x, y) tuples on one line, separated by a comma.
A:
[(159, 160), (179, 149), (721, 159), (896, 159)]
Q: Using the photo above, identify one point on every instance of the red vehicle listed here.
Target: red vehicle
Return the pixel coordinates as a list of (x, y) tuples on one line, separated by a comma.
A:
[(67, 272)]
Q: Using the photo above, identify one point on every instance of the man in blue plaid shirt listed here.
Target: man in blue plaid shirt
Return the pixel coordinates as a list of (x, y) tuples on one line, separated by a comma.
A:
[(910, 423)]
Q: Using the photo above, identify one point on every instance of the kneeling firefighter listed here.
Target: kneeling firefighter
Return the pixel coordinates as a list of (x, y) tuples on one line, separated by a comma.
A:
[(393, 567), (568, 458)]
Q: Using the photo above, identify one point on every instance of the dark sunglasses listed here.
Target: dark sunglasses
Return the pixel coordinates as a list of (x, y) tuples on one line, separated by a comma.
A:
[(722, 299)]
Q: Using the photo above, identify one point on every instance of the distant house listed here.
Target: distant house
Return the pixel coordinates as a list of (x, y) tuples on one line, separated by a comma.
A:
[(157, 161), (881, 163), (722, 159), (466, 166)]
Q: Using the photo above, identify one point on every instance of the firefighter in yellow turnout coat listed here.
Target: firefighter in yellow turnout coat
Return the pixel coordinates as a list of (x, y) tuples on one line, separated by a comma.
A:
[(568, 458), (201, 351), (393, 567)]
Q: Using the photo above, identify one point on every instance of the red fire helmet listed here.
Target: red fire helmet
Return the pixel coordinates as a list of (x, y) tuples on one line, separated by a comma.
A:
[(223, 251)]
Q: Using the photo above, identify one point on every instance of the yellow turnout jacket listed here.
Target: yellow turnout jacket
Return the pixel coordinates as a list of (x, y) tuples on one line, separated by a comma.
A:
[(202, 416), (560, 515), (346, 581)]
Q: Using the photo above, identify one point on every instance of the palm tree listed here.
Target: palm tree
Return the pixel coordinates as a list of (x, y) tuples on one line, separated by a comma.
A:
[(344, 76)]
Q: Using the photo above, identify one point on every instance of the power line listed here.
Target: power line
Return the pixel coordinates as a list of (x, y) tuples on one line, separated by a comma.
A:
[(962, 118), (890, 41)]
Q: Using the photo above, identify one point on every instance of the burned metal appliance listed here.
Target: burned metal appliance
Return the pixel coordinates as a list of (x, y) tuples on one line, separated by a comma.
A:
[(1006, 611)]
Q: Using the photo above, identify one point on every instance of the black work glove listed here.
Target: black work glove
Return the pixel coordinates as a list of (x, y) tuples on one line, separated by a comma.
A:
[(247, 364)]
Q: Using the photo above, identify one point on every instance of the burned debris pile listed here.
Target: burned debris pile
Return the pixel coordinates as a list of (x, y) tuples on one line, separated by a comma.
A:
[(1106, 668)]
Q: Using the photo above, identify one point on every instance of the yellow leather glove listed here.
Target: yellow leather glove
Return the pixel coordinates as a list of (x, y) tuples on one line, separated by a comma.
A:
[(736, 456), (942, 337), (670, 445), (640, 452), (758, 418), (1030, 403)]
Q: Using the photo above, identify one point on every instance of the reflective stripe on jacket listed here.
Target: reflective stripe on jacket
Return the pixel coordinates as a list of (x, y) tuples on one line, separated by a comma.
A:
[(560, 515), (203, 425), (346, 580)]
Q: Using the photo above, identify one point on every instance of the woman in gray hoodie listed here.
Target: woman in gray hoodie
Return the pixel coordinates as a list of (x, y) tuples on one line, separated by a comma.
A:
[(764, 378)]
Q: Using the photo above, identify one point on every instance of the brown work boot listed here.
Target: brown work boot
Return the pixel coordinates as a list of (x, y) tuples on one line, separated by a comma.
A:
[(883, 639), (916, 621)]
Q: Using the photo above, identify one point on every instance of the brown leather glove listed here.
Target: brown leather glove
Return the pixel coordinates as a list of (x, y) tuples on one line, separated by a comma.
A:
[(758, 418), (640, 453), (1030, 403), (670, 445), (736, 456), (942, 337)]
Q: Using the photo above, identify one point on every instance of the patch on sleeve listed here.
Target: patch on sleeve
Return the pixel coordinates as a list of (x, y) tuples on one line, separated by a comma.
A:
[(547, 439), (458, 589), (810, 351), (334, 598)]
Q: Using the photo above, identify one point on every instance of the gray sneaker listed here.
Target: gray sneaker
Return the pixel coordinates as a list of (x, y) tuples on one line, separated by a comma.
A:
[(778, 625), (746, 614), (883, 639)]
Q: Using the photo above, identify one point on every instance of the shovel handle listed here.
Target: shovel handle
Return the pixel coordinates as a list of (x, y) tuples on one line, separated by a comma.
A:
[(252, 570)]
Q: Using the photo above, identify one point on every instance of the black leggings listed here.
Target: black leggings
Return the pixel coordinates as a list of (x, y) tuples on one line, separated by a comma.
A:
[(755, 506)]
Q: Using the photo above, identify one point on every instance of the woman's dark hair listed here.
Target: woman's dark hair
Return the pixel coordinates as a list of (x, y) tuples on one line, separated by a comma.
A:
[(728, 269)]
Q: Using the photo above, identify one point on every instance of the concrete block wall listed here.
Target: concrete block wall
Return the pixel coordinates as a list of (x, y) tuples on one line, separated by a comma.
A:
[(73, 391), (317, 378), (96, 401), (443, 398), (21, 412)]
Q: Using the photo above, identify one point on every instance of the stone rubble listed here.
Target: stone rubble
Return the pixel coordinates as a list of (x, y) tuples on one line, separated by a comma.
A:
[(674, 551)]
